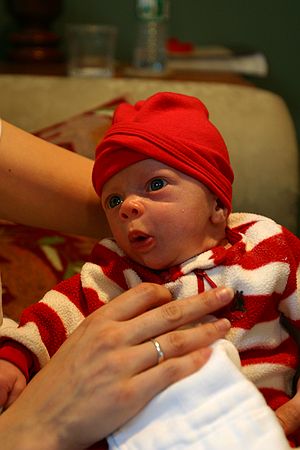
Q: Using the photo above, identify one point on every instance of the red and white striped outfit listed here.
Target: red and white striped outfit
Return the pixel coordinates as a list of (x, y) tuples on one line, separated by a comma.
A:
[(261, 263)]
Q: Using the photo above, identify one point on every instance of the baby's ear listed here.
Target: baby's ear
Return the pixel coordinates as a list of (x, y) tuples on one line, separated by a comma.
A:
[(219, 213)]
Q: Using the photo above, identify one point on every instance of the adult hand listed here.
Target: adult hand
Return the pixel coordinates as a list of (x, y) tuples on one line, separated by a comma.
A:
[(107, 370)]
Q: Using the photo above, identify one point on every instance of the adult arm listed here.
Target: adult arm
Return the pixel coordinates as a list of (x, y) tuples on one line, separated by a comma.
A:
[(47, 186), (107, 370)]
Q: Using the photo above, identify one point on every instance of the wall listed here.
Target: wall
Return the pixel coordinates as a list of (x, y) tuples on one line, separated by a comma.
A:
[(272, 26)]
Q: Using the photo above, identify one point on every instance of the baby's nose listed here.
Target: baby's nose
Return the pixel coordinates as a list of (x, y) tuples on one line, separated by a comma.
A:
[(131, 208)]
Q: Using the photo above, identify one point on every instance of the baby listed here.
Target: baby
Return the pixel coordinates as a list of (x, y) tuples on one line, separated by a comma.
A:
[(164, 177)]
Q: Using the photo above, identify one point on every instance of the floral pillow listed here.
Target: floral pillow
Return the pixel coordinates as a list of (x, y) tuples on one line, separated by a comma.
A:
[(82, 132), (33, 260)]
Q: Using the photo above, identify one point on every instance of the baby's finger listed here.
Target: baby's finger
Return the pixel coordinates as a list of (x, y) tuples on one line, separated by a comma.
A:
[(288, 415), (18, 387), (3, 397)]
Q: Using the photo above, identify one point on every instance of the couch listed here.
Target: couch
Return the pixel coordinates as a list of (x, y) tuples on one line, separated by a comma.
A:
[(255, 124)]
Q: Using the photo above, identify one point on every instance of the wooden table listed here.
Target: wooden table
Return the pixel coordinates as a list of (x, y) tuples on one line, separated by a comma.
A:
[(124, 70)]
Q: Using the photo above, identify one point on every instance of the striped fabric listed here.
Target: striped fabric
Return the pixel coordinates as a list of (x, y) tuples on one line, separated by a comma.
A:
[(260, 262)]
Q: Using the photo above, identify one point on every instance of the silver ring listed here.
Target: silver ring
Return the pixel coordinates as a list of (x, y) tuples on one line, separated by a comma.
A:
[(160, 353)]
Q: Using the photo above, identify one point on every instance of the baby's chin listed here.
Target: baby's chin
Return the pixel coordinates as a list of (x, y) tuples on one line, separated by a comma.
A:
[(151, 263), (159, 264)]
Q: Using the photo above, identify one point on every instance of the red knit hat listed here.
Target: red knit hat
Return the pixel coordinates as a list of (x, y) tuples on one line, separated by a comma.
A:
[(173, 129)]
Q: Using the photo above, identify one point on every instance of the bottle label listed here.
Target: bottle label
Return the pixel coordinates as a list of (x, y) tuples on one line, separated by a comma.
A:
[(152, 9)]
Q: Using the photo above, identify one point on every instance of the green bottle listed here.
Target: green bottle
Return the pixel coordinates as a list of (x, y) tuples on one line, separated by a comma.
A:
[(150, 49)]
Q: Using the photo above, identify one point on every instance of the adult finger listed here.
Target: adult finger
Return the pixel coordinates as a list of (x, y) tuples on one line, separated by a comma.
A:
[(176, 314), (139, 390), (135, 301), (173, 344)]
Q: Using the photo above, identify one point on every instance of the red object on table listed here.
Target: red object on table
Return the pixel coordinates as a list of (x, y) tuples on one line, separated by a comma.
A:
[(174, 45)]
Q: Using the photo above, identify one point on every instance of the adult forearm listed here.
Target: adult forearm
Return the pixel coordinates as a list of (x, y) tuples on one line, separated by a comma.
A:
[(47, 186)]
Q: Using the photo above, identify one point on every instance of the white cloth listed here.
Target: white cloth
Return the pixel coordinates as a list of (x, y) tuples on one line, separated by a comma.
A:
[(215, 408)]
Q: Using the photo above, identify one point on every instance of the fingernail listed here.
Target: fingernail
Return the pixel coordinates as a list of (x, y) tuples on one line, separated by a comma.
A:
[(223, 325), (225, 294)]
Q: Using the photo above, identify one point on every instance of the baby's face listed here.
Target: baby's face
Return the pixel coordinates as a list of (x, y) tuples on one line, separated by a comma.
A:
[(159, 216)]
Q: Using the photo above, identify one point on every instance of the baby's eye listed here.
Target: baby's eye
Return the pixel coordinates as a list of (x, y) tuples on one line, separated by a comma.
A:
[(113, 201), (156, 184)]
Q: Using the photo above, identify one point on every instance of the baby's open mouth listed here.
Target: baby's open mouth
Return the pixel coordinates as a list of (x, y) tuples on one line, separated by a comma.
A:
[(141, 242), (138, 236)]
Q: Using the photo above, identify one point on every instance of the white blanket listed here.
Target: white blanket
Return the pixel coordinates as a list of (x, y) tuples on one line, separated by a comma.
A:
[(215, 408)]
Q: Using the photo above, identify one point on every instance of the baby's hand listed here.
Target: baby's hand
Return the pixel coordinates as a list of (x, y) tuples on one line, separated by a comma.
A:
[(12, 383), (289, 414)]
